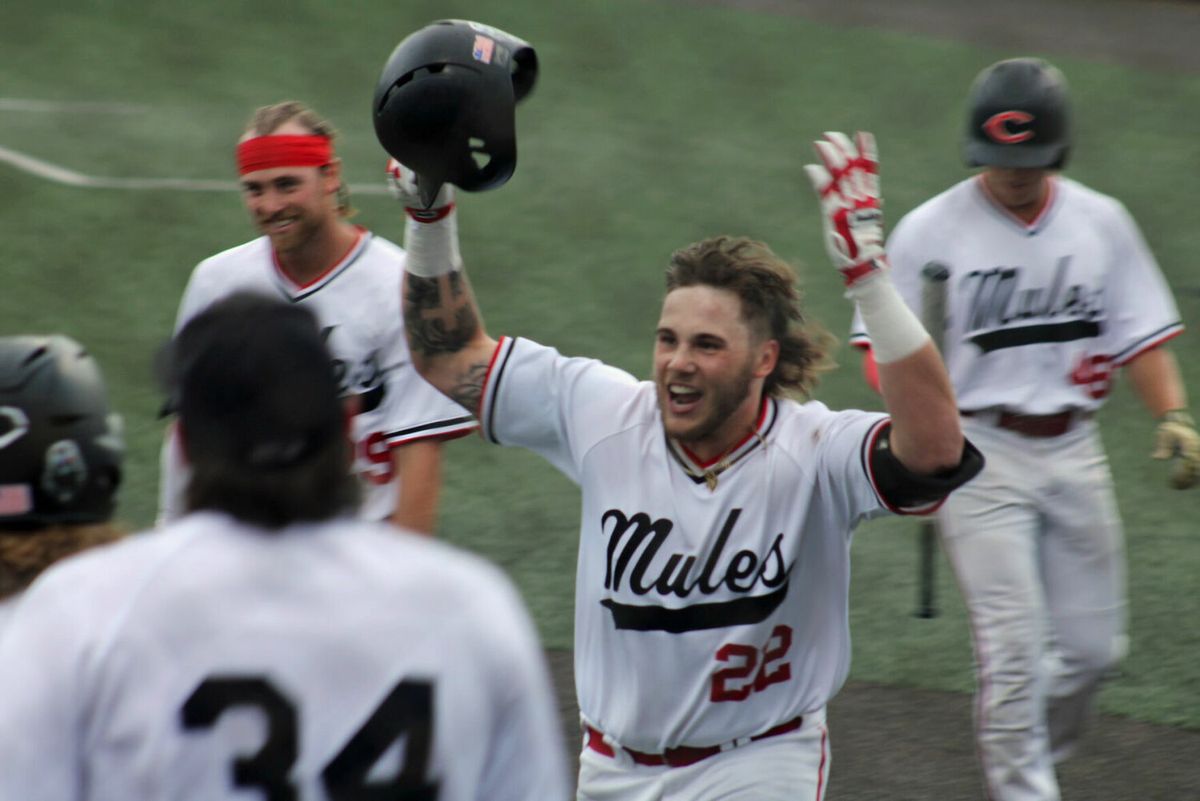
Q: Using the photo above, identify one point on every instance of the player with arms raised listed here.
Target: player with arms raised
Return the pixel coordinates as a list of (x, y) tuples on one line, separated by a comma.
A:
[(268, 645), (712, 588)]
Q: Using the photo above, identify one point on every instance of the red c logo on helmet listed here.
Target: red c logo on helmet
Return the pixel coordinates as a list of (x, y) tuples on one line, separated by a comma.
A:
[(998, 127)]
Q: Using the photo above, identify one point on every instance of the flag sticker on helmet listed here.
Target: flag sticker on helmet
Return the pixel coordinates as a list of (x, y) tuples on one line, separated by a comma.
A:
[(483, 49), (15, 499)]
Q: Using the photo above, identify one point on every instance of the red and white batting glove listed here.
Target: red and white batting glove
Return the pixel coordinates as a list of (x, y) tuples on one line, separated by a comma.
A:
[(430, 234), (847, 184)]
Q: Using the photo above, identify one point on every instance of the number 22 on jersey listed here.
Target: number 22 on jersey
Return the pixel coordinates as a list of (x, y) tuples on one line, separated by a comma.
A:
[(749, 674)]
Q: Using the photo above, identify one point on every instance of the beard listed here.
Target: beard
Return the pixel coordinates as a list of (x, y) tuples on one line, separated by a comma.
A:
[(723, 400)]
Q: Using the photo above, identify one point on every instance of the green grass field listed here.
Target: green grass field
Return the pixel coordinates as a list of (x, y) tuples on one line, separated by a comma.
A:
[(654, 124)]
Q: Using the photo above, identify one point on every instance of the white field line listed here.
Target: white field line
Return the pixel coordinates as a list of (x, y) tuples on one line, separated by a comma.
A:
[(54, 106), (63, 175)]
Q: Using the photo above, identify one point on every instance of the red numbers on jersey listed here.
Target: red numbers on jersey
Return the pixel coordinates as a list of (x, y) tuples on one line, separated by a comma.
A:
[(375, 450), (1095, 375), (749, 675)]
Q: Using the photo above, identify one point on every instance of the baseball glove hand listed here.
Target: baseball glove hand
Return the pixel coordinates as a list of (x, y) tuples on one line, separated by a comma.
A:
[(402, 184), (1176, 438), (847, 184)]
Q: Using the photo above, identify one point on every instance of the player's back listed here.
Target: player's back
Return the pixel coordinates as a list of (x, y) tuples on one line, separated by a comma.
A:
[(213, 661)]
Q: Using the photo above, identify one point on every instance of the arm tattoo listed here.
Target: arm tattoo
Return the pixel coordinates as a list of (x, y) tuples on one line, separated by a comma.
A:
[(467, 391), (439, 313)]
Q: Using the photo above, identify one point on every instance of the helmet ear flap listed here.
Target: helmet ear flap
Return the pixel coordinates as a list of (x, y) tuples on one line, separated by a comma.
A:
[(445, 104)]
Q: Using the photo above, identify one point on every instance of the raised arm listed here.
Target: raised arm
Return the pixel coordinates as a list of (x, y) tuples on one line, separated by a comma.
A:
[(449, 346), (916, 390)]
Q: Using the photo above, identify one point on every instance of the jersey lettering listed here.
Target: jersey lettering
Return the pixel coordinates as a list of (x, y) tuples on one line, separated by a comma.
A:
[(1002, 313), (1094, 374), (375, 450), (406, 713), (773, 670), (637, 540)]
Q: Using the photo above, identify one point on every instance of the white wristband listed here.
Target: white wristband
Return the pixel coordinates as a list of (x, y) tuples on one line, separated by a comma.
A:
[(432, 246), (894, 330)]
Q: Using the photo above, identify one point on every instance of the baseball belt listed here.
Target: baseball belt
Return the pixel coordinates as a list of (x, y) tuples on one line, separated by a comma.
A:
[(684, 755), (1031, 425)]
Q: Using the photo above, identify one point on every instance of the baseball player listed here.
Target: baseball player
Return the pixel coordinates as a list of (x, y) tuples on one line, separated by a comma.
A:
[(268, 645), (310, 254), (1051, 290), (61, 450), (711, 602)]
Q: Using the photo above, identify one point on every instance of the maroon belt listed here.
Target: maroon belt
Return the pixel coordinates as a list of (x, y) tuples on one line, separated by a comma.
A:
[(1034, 425), (683, 755)]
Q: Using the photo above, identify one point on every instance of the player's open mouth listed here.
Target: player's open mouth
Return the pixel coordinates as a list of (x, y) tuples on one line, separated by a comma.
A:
[(682, 399), (279, 226)]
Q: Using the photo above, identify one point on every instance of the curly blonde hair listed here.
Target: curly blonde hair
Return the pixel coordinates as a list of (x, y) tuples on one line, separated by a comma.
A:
[(25, 554), (766, 286)]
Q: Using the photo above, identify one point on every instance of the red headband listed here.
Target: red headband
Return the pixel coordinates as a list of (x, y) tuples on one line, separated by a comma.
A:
[(283, 150)]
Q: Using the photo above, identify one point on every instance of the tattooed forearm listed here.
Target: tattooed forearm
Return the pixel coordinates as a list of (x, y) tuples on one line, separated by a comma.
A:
[(439, 313), (468, 386)]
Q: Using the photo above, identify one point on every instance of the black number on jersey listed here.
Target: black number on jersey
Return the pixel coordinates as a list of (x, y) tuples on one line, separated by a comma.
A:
[(407, 712)]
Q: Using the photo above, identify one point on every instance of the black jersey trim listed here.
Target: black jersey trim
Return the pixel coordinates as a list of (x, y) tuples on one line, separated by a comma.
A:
[(758, 439), (351, 259), (1148, 343), (697, 617), (492, 388), (452, 423)]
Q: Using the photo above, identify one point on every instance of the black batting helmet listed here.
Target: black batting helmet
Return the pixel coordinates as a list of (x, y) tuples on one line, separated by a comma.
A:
[(1018, 116), (444, 105), (61, 447)]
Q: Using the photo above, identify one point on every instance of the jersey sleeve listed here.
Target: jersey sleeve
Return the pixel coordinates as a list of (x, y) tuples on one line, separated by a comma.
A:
[(526, 757), (416, 410), (173, 472), (846, 439), (551, 404), (173, 478), (1144, 313), (41, 690)]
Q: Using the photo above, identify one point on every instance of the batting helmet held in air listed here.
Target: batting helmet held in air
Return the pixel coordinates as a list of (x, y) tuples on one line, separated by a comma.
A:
[(1018, 116), (444, 104), (61, 447)]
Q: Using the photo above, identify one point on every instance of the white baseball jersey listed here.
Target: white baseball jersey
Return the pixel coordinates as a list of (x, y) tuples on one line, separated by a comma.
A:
[(357, 304), (214, 660), (1038, 314), (700, 615)]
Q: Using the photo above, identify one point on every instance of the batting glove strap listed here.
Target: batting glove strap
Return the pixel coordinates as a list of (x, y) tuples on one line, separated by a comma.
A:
[(1176, 438), (429, 215)]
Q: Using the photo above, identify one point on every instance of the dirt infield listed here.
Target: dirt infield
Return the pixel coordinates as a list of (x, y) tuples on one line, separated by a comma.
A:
[(899, 744)]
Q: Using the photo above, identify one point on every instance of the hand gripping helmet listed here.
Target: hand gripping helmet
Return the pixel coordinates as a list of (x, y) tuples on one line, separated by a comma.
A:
[(60, 446), (444, 105), (1019, 116)]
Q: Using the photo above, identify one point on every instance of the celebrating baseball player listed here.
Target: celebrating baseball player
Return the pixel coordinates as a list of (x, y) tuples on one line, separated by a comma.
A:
[(312, 255), (1051, 290), (61, 450), (711, 602), (269, 645)]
